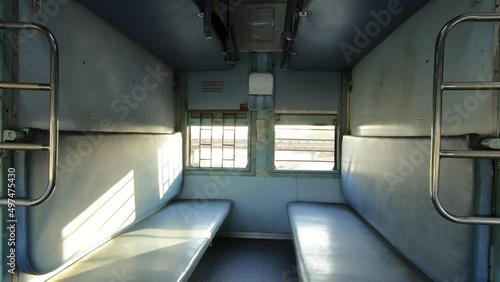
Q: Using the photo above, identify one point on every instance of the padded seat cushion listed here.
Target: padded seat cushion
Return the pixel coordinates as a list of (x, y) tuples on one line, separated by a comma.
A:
[(333, 243), (165, 246)]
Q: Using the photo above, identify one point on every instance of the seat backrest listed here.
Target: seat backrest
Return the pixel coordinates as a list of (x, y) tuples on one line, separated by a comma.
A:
[(386, 180), (106, 182)]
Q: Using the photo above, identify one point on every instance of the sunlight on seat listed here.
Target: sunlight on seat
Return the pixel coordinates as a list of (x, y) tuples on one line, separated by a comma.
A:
[(122, 252), (322, 238), (170, 233), (169, 165), (107, 215)]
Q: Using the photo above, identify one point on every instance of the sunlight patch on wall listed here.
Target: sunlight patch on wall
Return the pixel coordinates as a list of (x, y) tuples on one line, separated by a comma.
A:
[(110, 213), (169, 164)]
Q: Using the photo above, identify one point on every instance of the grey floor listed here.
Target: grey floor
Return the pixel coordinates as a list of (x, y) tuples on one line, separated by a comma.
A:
[(232, 259)]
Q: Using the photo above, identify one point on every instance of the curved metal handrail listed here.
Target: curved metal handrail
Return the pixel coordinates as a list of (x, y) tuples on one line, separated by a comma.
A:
[(439, 87), (53, 87)]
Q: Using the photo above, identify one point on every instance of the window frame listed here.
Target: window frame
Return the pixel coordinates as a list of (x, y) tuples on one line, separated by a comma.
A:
[(249, 170), (334, 173)]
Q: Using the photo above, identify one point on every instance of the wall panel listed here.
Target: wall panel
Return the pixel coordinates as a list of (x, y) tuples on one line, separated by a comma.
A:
[(107, 82), (392, 86)]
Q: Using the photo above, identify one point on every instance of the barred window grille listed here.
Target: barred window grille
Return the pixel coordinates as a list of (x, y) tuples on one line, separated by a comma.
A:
[(218, 140)]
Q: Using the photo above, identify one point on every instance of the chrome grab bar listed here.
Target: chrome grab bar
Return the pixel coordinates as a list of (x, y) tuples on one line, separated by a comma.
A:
[(53, 87), (439, 87)]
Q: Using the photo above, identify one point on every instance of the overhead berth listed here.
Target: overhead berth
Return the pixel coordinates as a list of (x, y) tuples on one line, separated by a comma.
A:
[(169, 29), (330, 36), (165, 246)]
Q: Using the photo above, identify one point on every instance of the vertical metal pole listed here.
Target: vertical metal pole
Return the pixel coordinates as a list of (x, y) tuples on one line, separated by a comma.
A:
[(212, 139), (53, 115), (207, 18), (495, 240), (199, 140), (223, 131), (6, 119), (496, 76), (234, 142), (437, 117), (496, 229)]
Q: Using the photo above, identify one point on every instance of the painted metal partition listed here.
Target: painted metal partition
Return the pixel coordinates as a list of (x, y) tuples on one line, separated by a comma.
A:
[(439, 87), (52, 87)]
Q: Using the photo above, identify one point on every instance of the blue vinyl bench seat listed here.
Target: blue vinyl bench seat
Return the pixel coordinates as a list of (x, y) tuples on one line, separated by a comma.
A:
[(333, 243), (165, 246)]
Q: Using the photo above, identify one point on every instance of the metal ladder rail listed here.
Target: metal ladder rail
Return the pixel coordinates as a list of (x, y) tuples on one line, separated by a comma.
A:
[(439, 86), (53, 88)]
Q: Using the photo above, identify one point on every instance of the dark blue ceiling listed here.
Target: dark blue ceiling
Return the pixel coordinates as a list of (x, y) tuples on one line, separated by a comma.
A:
[(328, 32), (171, 30)]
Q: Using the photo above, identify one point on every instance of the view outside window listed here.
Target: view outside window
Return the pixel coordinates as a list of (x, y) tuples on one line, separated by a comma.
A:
[(218, 140), (304, 147)]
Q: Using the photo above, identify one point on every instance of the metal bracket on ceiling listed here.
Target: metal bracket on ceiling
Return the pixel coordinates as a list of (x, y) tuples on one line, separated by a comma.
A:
[(224, 31), (232, 55), (207, 18), (292, 20)]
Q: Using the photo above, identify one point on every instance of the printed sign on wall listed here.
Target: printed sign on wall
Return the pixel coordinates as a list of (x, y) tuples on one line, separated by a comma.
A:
[(212, 86)]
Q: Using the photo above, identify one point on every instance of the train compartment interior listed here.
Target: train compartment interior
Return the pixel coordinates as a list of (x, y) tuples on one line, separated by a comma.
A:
[(250, 140)]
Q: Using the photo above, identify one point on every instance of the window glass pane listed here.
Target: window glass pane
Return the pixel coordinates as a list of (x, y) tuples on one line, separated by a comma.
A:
[(304, 147), (229, 136), (241, 146), (195, 146), (301, 166)]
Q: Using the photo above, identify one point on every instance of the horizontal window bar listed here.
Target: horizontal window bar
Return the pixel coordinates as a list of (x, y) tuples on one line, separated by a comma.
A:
[(25, 86), (298, 140), (305, 151), (470, 154), (471, 86), (303, 161), (23, 146)]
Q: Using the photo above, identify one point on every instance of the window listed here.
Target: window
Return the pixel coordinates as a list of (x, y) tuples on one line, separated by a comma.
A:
[(218, 140), (304, 142)]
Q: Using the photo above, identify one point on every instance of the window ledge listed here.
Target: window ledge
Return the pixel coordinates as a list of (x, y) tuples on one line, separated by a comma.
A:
[(306, 174), (218, 172)]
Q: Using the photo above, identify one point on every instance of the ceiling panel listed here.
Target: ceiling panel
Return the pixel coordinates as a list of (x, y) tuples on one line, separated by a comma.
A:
[(169, 29), (327, 37)]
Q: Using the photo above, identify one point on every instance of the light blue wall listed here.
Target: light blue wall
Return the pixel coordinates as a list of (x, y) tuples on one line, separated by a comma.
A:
[(386, 180), (98, 65), (307, 90), (393, 84), (235, 87), (392, 87), (295, 90), (260, 201)]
